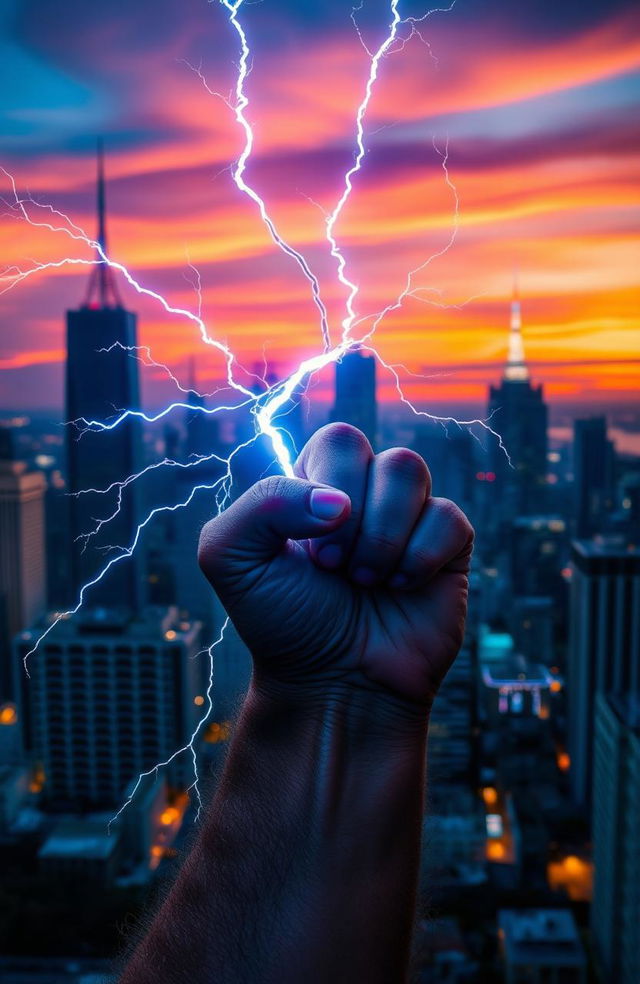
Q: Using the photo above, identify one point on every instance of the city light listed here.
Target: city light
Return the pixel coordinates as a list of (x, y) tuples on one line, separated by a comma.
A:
[(8, 714), (495, 850), (169, 816), (572, 875)]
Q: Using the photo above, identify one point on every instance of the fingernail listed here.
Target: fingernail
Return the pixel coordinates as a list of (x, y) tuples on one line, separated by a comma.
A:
[(330, 556), (364, 576), (399, 580), (328, 503)]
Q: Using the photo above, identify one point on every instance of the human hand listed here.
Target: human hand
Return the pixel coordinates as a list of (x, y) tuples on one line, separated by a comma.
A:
[(349, 574)]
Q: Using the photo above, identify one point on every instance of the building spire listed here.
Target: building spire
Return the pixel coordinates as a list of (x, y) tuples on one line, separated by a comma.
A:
[(516, 368), (102, 291), (194, 399)]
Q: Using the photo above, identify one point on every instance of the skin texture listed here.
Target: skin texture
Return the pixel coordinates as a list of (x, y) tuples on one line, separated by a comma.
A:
[(349, 586)]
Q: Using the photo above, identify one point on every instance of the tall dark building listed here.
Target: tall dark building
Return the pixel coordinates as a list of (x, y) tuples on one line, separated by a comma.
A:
[(98, 386), (593, 471), (108, 697), (519, 414), (615, 913), (604, 643), (356, 393)]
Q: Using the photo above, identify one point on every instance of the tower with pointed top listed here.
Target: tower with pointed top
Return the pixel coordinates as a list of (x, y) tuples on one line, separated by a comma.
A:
[(516, 368), (99, 384), (519, 414)]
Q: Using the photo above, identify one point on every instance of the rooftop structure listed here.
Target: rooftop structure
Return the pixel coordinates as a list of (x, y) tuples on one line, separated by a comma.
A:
[(539, 943)]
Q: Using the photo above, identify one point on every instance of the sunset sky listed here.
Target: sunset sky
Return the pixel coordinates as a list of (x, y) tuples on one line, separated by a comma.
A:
[(538, 101)]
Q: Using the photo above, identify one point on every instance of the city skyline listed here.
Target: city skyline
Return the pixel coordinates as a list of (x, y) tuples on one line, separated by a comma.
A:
[(122, 673)]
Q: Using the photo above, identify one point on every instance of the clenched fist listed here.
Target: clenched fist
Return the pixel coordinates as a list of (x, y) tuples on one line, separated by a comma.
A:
[(351, 573)]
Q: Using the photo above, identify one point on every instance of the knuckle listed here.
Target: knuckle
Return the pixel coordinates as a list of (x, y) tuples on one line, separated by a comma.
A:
[(405, 463), (417, 560), (344, 438), (453, 515), (208, 546), (270, 489), (380, 543)]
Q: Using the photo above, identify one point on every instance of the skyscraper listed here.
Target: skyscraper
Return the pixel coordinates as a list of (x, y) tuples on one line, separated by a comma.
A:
[(519, 414), (355, 401), (604, 643), (22, 551), (109, 696), (99, 385), (615, 913), (593, 475)]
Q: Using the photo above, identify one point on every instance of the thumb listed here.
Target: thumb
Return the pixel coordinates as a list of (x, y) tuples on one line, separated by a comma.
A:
[(255, 528)]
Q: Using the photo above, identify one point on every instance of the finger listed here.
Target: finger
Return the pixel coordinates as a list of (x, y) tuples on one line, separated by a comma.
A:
[(255, 528), (441, 540), (337, 455), (398, 486)]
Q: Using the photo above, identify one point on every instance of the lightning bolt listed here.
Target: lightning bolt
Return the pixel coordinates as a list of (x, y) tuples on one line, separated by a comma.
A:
[(188, 747), (241, 105), (266, 406)]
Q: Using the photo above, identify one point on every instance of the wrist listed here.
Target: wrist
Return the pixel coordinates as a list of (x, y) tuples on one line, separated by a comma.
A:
[(364, 711)]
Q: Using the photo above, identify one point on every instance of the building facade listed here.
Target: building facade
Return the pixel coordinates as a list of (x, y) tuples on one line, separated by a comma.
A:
[(593, 476), (109, 696), (604, 643), (22, 556), (615, 913)]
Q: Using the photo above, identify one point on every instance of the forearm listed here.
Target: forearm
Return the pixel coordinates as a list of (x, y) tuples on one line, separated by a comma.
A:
[(306, 865)]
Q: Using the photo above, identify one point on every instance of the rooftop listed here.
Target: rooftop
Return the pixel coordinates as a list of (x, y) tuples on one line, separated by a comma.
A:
[(86, 839), (546, 937), (515, 670), (153, 623), (606, 547)]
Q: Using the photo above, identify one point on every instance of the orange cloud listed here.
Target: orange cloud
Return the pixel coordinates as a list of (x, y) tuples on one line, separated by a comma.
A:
[(563, 216)]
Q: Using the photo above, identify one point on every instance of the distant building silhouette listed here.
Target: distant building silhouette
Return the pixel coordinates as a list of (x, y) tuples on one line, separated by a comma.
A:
[(604, 643), (538, 550), (22, 552), (593, 476), (451, 456), (615, 912), (98, 386), (519, 414), (355, 401), (202, 430)]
